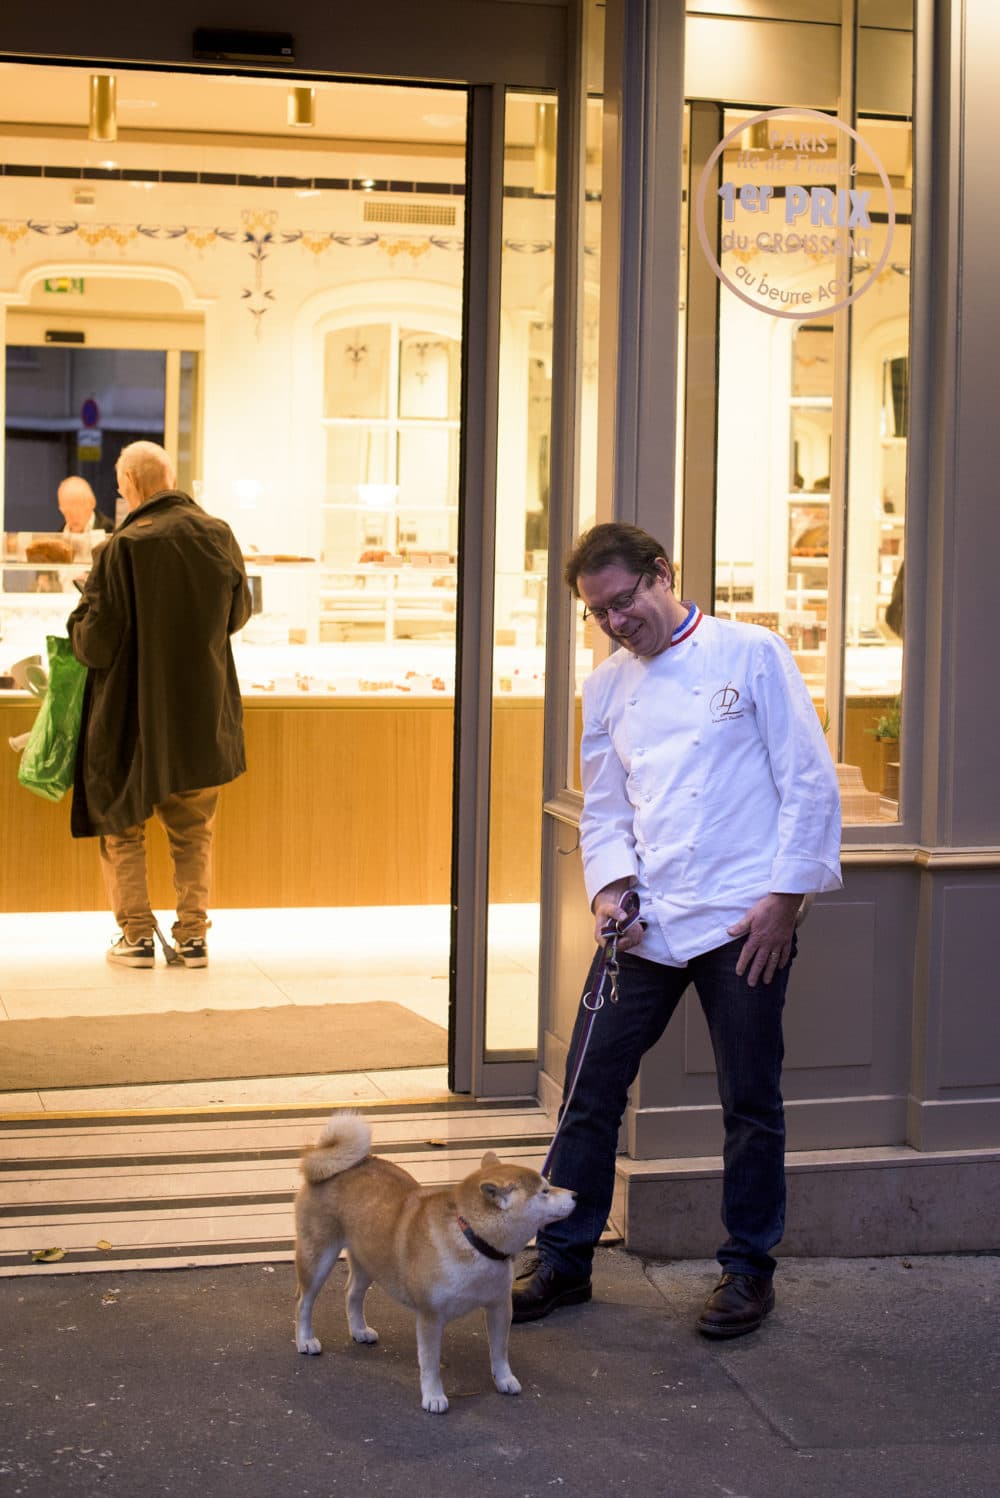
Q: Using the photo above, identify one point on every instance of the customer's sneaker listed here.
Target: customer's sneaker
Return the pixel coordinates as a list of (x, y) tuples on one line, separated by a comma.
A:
[(193, 952), (125, 953)]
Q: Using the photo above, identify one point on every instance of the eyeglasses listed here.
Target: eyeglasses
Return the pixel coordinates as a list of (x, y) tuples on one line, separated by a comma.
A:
[(623, 604)]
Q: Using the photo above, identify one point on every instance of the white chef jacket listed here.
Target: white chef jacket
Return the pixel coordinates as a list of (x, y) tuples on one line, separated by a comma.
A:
[(707, 779)]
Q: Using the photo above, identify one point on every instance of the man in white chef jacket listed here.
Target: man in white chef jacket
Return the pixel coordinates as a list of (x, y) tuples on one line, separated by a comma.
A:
[(710, 790)]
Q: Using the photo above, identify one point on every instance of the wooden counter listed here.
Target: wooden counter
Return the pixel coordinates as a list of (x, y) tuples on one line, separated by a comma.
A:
[(345, 802)]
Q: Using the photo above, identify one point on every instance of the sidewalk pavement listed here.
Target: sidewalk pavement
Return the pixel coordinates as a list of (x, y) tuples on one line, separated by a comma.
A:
[(873, 1378)]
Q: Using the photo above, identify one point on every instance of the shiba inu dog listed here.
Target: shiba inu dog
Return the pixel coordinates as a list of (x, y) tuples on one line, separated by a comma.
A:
[(441, 1250)]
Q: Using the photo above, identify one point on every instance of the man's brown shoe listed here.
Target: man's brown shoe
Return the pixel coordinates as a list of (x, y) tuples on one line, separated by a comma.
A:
[(543, 1289), (737, 1305)]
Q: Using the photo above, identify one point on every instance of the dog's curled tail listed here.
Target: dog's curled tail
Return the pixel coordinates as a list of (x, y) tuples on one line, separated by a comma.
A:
[(345, 1141)]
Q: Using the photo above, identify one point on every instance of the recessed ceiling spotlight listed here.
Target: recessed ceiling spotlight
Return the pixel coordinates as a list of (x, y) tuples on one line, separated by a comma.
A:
[(102, 124), (301, 108)]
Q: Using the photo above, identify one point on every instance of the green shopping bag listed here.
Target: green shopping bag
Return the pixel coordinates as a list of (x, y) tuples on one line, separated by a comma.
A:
[(49, 757)]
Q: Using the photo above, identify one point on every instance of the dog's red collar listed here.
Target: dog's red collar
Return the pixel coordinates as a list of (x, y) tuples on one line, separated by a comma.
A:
[(477, 1242)]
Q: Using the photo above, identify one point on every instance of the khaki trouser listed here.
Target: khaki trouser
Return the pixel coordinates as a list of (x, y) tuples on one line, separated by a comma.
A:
[(188, 818)]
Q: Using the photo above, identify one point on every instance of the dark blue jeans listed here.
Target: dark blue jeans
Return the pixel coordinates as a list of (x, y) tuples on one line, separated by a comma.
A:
[(745, 1026)]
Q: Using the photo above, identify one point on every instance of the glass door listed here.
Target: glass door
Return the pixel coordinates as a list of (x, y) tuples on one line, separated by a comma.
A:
[(276, 295)]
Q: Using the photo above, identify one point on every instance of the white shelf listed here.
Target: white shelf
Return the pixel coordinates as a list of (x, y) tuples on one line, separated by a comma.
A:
[(360, 595), (394, 423), (39, 602), (394, 509), (83, 565), (381, 569)]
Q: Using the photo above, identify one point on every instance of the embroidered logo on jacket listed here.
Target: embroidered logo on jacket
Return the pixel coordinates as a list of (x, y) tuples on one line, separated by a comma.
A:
[(725, 704)]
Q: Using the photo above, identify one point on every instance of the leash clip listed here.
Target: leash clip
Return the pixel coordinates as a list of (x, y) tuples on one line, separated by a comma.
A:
[(612, 970), (615, 930)]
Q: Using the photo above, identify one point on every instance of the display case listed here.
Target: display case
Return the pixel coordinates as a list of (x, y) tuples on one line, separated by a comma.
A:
[(39, 573), (372, 628), (389, 598)]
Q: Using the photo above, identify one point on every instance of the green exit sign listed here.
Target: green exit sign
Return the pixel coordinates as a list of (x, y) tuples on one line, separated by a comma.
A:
[(63, 285)]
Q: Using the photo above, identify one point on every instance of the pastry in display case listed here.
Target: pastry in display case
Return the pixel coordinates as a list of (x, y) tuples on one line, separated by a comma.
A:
[(40, 572)]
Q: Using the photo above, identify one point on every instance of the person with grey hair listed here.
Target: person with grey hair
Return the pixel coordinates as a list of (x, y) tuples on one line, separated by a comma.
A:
[(710, 794), (162, 726), (78, 508)]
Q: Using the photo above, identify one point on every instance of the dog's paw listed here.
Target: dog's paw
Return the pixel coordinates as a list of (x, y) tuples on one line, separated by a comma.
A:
[(507, 1383), (311, 1345), (365, 1334), (436, 1404)]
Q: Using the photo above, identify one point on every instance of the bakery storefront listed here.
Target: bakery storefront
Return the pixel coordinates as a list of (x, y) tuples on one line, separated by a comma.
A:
[(412, 305)]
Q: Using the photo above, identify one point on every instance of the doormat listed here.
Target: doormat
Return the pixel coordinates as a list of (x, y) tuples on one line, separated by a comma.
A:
[(208, 1045)]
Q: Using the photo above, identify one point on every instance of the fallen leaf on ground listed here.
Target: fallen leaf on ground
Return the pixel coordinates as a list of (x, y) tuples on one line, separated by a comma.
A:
[(48, 1255)]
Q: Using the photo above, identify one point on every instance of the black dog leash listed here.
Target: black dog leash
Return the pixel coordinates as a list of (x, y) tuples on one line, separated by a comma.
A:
[(593, 999)]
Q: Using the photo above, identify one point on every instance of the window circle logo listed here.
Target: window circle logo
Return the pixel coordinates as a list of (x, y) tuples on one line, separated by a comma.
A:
[(803, 228)]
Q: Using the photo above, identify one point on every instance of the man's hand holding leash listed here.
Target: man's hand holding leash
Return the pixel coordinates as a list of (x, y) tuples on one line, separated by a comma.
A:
[(618, 927), (615, 916)]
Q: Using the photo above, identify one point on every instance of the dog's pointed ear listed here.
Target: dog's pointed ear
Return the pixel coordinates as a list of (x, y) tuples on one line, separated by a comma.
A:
[(499, 1195), (489, 1159)]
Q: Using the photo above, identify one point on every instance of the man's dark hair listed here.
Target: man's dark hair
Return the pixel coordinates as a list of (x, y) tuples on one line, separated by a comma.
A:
[(604, 545)]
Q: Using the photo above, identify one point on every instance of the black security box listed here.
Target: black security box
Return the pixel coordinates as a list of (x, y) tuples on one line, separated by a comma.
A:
[(221, 44)]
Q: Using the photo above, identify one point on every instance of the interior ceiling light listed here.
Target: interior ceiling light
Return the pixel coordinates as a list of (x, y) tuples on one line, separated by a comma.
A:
[(545, 149), (103, 124), (301, 108)]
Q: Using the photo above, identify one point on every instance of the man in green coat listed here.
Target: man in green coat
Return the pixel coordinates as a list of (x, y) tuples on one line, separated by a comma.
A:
[(162, 715)]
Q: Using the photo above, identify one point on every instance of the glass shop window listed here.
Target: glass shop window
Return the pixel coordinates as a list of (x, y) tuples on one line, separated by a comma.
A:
[(392, 394), (811, 478)]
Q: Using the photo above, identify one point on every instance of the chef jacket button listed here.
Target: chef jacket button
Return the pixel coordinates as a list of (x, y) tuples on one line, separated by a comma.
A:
[(690, 847), (694, 793), (697, 691)]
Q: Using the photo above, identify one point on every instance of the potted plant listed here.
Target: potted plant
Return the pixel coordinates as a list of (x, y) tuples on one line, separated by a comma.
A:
[(886, 733)]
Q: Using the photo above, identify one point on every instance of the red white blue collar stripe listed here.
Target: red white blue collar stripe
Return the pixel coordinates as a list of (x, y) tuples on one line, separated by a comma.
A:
[(686, 629)]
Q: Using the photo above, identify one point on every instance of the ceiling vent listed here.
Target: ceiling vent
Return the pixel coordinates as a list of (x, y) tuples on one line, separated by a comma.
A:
[(390, 212)]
